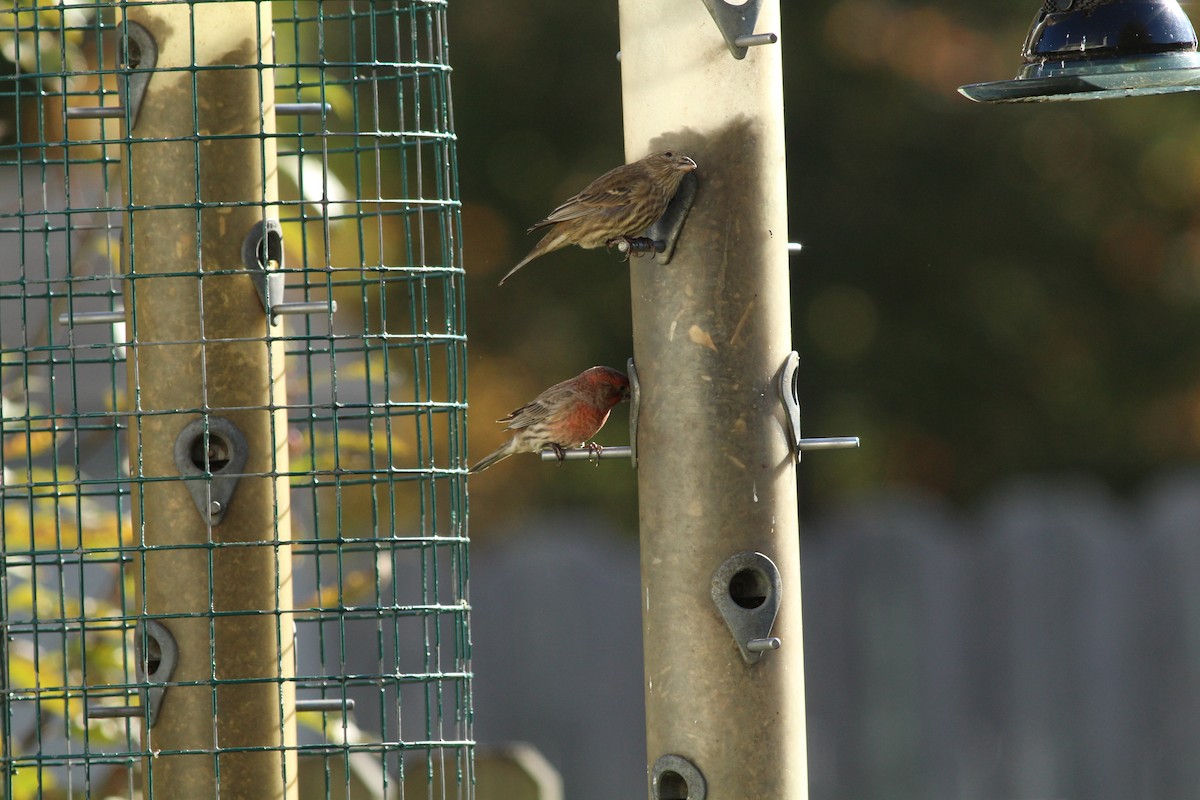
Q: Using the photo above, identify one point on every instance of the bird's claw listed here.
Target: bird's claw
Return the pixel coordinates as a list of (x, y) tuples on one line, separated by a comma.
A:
[(635, 245), (558, 453), (622, 245), (594, 450)]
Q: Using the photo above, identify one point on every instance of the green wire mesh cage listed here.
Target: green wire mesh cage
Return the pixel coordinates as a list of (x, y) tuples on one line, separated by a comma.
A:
[(232, 362)]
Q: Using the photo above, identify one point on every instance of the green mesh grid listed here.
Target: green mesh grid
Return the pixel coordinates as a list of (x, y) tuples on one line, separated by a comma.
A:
[(320, 610)]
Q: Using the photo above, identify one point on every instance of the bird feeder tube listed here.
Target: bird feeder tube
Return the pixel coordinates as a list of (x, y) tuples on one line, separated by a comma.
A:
[(208, 442), (724, 680)]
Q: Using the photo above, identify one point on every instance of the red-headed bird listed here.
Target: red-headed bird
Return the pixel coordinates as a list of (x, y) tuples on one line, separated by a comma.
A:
[(620, 204), (564, 416)]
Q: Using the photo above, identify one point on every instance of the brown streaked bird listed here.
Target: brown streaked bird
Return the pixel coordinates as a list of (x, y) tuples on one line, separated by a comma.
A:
[(620, 204), (564, 416)]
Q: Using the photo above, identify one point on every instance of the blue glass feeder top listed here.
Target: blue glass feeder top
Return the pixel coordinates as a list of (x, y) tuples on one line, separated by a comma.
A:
[(1093, 49), (1116, 29)]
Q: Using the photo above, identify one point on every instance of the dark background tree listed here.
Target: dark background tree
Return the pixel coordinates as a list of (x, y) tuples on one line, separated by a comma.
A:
[(984, 291)]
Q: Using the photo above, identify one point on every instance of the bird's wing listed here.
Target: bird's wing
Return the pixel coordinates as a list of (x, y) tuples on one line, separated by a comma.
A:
[(609, 191), (526, 415), (541, 408)]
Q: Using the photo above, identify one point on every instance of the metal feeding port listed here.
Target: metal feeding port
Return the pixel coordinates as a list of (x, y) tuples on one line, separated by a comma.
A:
[(748, 592)]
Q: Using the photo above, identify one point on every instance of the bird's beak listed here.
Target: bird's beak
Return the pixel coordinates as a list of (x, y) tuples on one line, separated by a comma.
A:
[(688, 165)]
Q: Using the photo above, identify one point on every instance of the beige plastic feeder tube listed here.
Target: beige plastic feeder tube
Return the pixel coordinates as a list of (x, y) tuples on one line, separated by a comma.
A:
[(711, 331), (201, 343)]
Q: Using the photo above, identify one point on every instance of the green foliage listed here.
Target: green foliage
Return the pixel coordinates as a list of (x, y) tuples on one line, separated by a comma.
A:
[(983, 291), (1027, 270)]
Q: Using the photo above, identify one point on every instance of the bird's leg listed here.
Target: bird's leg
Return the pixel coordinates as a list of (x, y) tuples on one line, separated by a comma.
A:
[(595, 450), (558, 452)]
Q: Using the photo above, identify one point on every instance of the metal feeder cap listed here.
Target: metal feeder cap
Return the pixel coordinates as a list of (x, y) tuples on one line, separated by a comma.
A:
[(1089, 50)]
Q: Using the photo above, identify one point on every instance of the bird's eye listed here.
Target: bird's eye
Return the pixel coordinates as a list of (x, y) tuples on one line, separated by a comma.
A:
[(669, 154)]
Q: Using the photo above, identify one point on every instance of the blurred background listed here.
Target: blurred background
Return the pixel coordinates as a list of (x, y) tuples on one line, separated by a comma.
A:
[(1001, 301), (984, 292)]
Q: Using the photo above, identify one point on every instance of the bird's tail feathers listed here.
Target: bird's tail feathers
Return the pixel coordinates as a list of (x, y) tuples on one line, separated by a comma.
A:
[(550, 242), (522, 263), (504, 451)]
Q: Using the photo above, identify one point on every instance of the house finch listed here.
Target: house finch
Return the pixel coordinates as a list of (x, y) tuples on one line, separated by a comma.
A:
[(619, 204), (565, 415)]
